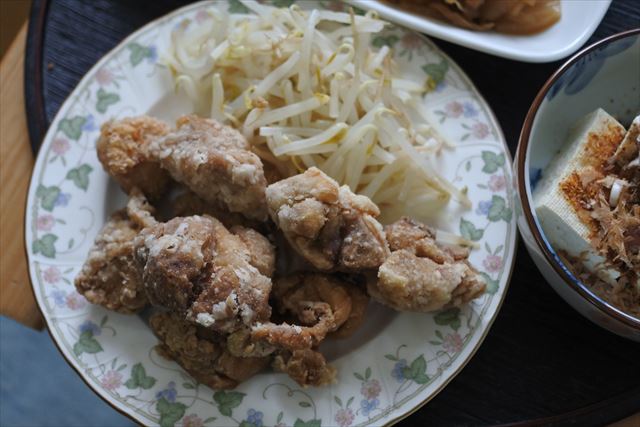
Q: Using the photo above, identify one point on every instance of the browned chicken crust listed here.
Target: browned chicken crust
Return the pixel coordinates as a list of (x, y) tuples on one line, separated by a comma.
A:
[(306, 367), (207, 360), (422, 276), (314, 305), (214, 161), (195, 266), (189, 203), (330, 226), (109, 276), (262, 254), (123, 150)]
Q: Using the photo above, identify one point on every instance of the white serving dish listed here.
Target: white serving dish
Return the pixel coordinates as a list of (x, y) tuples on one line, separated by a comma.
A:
[(579, 20)]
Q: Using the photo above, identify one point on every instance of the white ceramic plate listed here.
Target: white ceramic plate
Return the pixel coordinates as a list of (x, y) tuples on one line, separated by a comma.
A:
[(397, 362), (579, 20)]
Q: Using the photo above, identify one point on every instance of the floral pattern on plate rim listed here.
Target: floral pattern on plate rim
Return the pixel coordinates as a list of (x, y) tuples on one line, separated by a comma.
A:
[(157, 391)]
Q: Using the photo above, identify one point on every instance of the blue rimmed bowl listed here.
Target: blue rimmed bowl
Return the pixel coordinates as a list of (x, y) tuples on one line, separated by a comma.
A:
[(604, 75)]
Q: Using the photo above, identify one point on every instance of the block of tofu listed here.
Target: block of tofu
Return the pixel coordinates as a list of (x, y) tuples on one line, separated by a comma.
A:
[(557, 197), (629, 148)]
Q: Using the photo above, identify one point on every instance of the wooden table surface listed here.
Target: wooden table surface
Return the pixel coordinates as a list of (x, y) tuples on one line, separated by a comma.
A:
[(16, 162)]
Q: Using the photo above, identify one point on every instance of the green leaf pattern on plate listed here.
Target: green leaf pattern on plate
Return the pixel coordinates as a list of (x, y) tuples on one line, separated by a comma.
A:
[(139, 378), (105, 99), (170, 412), (72, 126), (45, 245), (80, 176), (86, 344)]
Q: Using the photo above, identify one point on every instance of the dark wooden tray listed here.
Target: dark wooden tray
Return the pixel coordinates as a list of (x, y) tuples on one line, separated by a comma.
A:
[(542, 363)]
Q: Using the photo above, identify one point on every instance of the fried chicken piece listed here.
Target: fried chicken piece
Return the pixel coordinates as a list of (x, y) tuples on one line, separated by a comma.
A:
[(214, 161), (359, 304), (306, 367), (123, 150), (109, 276), (262, 254), (189, 203), (292, 336), (196, 267), (420, 275), (316, 305), (205, 359), (241, 344), (140, 210), (331, 227)]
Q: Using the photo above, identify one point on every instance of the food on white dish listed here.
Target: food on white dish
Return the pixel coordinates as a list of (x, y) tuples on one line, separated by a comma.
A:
[(215, 279), (196, 267), (331, 118), (558, 195), (202, 354), (329, 225), (110, 276), (421, 274), (504, 16), (307, 90), (123, 150), (588, 204), (214, 161)]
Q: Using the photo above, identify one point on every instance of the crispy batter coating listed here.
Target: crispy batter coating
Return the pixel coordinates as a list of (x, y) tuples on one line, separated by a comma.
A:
[(207, 360), (196, 267), (109, 276), (316, 305), (359, 304), (262, 254), (422, 276), (241, 344), (306, 367), (214, 161), (330, 226), (188, 203), (123, 150), (139, 210), (292, 336)]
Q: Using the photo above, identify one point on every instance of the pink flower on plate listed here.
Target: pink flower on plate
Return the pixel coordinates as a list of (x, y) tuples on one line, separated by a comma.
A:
[(493, 263), (52, 275), (75, 301), (344, 417), (479, 130), (411, 40), (452, 343), (111, 380), (60, 146), (497, 183), (45, 222), (104, 76), (454, 109), (370, 389), (192, 420)]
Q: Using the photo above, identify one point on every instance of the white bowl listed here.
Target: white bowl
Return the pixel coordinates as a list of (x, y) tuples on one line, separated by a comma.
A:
[(578, 21), (606, 75)]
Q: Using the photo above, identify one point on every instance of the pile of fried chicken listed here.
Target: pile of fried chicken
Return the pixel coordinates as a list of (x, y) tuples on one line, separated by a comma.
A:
[(223, 310)]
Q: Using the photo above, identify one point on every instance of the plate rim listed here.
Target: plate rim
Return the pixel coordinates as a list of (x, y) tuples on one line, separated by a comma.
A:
[(442, 31), (105, 58)]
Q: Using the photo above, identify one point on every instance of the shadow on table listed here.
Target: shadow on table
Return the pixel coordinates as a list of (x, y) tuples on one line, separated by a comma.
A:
[(38, 388)]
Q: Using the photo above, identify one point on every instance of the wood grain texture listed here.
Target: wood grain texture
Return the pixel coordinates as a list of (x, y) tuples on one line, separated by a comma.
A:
[(16, 162), (542, 361)]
